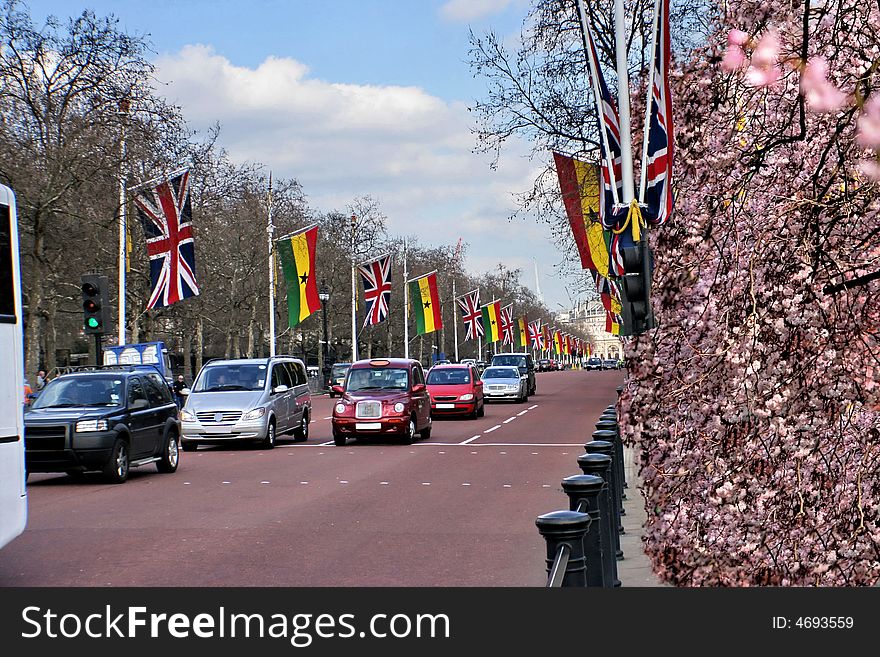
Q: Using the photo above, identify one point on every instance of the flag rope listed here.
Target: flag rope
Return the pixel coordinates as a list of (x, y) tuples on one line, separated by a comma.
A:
[(633, 215)]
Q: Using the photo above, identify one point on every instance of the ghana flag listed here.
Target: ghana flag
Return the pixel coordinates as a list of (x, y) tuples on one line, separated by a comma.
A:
[(297, 254), (492, 321), (425, 303), (521, 333)]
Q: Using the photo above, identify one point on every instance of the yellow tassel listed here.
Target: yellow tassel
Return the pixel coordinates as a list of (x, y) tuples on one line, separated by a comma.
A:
[(634, 218)]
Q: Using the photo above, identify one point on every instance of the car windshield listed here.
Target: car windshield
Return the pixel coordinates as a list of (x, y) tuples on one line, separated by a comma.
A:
[(513, 361), (339, 370), (82, 391), (501, 373), (450, 377), (217, 378), (377, 378)]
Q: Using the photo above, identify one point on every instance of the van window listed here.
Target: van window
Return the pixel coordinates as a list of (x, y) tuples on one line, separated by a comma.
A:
[(279, 376), (296, 373), (510, 360)]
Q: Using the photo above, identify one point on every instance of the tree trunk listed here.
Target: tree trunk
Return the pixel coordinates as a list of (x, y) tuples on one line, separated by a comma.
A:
[(186, 348), (252, 327), (51, 336)]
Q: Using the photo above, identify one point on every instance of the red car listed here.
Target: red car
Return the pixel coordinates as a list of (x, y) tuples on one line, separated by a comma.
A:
[(382, 397), (455, 390)]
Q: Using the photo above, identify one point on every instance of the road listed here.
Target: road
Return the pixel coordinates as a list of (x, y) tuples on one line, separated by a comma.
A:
[(458, 510)]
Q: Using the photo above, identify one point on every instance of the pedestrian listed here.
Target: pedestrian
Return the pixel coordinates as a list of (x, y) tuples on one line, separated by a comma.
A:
[(177, 387), (28, 391), (41, 380)]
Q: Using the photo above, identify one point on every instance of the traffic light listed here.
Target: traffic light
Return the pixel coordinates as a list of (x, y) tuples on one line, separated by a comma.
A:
[(635, 286), (96, 309)]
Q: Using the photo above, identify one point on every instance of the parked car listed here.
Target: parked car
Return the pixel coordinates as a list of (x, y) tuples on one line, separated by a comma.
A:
[(526, 365), (469, 361), (109, 419), (247, 399), (609, 364), (505, 382), (337, 376), (382, 397), (594, 363), (481, 366), (455, 390)]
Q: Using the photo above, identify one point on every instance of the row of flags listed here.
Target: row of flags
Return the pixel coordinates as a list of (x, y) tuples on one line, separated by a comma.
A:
[(166, 215), (592, 191)]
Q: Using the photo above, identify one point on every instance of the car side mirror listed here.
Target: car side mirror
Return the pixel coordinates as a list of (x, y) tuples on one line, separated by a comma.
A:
[(478, 383), (138, 405), (280, 389), (419, 387), (337, 389)]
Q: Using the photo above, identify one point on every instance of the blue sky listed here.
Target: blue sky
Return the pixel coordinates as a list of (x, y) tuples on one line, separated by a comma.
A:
[(351, 98)]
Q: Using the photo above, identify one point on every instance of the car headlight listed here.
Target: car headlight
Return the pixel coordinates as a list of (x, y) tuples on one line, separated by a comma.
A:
[(514, 387), (91, 425), (254, 414), (340, 408), (466, 397), (399, 407), (186, 416)]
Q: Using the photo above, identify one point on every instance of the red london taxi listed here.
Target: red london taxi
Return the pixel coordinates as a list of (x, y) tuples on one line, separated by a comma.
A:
[(455, 390), (382, 397)]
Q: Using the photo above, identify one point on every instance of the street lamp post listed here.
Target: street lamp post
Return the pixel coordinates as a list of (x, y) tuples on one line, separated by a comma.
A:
[(324, 296)]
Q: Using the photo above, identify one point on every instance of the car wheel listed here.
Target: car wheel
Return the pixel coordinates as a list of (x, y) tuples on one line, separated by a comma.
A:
[(301, 434), (426, 432), (188, 446), (339, 440), (170, 456), (269, 441), (116, 469), (482, 410)]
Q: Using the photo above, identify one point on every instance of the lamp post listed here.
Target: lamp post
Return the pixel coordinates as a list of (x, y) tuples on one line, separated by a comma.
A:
[(324, 296)]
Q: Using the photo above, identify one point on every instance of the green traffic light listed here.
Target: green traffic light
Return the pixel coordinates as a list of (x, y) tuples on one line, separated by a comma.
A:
[(92, 322)]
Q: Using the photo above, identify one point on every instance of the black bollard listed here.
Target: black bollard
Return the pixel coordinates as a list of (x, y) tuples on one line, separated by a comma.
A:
[(612, 415), (599, 466), (566, 528), (583, 495), (605, 424), (607, 448), (619, 390)]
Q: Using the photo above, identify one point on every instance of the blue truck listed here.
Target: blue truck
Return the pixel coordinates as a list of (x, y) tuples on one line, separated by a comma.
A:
[(152, 355)]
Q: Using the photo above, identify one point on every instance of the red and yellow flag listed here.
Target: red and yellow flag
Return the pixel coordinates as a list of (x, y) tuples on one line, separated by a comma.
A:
[(579, 183), (425, 303), (521, 332), (297, 254), (492, 321)]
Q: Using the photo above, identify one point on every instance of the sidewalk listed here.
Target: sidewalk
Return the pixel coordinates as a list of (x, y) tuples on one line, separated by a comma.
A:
[(635, 568)]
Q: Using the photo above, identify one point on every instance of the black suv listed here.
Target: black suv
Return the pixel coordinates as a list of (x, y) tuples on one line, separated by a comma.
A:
[(594, 363), (544, 365), (525, 364), (108, 419)]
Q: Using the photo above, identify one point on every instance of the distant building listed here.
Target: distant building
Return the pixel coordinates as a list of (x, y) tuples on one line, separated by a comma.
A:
[(588, 317)]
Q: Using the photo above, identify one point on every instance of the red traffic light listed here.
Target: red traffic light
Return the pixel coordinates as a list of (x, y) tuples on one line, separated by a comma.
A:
[(90, 306), (89, 288)]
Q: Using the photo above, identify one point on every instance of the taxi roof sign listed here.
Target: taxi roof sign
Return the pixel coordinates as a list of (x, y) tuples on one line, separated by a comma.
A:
[(380, 362)]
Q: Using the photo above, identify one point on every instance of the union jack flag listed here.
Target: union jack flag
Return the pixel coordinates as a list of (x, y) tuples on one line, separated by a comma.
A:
[(471, 314), (506, 328), (612, 172), (377, 288), (166, 215), (661, 142), (535, 335)]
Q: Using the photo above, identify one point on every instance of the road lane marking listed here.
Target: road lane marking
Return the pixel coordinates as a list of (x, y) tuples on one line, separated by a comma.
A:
[(470, 440), (465, 484), (264, 482), (329, 418), (522, 412), (510, 419), (532, 406), (303, 482), (426, 483), (467, 443), (497, 426), (508, 486), (343, 481), (383, 483), (327, 444)]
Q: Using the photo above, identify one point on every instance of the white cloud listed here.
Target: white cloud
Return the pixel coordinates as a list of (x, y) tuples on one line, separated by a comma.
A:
[(464, 11), (404, 147)]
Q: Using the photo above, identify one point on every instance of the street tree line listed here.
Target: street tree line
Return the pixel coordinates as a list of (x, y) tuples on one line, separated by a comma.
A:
[(72, 93)]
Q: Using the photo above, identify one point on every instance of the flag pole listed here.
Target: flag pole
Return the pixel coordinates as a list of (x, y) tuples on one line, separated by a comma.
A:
[(649, 94), (354, 331), (270, 229), (454, 318), (405, 304), (123, 109), (623, 101)]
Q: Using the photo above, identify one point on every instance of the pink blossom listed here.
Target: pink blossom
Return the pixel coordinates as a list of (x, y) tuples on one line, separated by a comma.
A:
[(868, 135), (766, 52), (820, 94), (871, 168), (737, 38), (734, 59), (763, 77)]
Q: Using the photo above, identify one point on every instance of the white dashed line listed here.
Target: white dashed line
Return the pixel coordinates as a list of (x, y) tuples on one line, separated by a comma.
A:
[(508, 486), (510, 419), (186, 483), (522, 412), (225, 482), (502, 452), (303, 482), (548, 486), (469, 485), (441, 452), (533, 406), (426, 483), (385, 483), (327, 444), (497, 426), (470, 440), (329, 418), (343, 481), (264, 482)]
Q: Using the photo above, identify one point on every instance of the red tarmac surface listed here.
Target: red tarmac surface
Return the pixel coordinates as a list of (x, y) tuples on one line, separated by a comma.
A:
[(453, 511)]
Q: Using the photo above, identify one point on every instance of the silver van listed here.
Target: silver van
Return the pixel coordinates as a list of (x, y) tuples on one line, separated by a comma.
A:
[(254, 399)]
